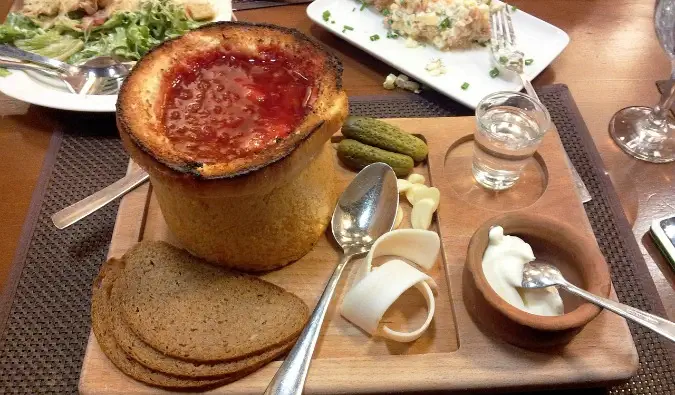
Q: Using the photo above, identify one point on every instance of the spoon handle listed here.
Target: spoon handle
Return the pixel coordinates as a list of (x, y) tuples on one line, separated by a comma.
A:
[(12, 65), (290, 378), (91, 203), (659, 325), (16, 53)]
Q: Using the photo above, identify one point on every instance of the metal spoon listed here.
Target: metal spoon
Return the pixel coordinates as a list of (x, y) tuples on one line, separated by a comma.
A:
[(78, 79), (541, 275), (366, 210), (113, 69), (76, 211), (54, 78)]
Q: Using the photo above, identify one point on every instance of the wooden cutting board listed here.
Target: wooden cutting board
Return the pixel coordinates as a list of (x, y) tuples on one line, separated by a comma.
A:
[(461, 350)]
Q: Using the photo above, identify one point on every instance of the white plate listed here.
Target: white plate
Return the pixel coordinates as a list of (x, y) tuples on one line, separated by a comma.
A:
[(539, 40), (38, 91)]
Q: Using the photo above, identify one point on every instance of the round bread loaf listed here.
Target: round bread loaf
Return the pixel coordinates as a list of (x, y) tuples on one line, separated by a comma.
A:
[(187, 309)]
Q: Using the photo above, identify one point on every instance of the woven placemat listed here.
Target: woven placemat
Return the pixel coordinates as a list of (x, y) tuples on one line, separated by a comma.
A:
[(44, 321)]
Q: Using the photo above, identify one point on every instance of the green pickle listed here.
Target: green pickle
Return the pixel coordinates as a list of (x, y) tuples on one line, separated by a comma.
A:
[(385, 136), (357, 155)]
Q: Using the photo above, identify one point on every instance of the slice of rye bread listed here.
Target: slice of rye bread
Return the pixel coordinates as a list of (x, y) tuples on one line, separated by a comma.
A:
[(188, 309), (155, 360), (101, 325)]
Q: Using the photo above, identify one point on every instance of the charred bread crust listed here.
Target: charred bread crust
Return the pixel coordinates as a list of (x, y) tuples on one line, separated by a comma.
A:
[(255, 182), (140, 103)]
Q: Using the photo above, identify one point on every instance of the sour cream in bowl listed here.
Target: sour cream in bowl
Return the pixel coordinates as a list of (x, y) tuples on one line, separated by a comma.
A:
[(503, 262), (501, 246)]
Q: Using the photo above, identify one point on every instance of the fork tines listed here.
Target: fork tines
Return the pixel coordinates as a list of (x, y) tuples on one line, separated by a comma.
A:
[(503, 37)]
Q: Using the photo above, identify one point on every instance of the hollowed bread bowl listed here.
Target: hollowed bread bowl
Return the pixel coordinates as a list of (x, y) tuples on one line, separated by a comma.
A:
[(255, 212)]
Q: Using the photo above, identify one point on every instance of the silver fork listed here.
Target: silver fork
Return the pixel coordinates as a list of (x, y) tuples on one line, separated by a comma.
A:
[(503, 45), (506, 53)]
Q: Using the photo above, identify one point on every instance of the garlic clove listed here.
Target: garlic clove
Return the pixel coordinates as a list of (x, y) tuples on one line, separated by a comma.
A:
[(403, 185), (399, 217), (422, 212), (428, 193), (411, 193), (415, 178)]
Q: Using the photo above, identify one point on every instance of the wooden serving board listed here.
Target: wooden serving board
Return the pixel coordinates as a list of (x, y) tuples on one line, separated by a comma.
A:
[(460, 351)]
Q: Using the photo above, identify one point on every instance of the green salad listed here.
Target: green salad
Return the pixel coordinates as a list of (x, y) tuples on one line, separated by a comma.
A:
[(128, 34)]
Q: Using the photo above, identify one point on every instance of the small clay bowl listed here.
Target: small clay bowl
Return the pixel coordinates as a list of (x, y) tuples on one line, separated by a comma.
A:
[(554, 242)]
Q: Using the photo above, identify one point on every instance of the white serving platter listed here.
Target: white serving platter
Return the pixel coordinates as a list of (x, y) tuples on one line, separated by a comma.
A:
[(539, 40)]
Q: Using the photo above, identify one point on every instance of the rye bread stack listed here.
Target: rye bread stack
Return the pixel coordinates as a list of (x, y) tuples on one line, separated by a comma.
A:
[(169, 319)]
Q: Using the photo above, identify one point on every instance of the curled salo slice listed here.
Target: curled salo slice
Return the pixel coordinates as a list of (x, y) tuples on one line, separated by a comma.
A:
[(374, 290)]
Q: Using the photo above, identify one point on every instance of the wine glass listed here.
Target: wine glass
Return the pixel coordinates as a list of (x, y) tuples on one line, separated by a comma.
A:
[(649, 133)]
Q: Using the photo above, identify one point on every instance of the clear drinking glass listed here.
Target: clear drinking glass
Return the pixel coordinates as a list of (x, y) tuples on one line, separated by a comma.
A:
[(649, 133), (509, 129)]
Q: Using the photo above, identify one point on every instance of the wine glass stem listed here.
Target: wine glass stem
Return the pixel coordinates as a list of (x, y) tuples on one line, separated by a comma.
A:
[(660, 113)]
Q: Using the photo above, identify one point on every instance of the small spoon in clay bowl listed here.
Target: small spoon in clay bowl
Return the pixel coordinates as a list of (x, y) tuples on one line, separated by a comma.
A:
[(538, 274)]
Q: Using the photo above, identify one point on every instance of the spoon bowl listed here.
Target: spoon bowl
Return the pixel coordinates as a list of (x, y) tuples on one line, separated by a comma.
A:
[(539, 274), (106, 67), (366, 210)]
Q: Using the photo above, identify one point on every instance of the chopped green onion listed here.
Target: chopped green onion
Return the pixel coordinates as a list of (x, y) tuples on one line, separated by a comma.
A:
[(326, 15), (503, 59), (514, 8), (353, 9), (386, 12), (345, 28), (374, 37), (489, 2), (465, 86), (390, 21), (494, 72), (402, 2), (529, 62), (391, 34), (363, 6), (445, 24), (333, 22)]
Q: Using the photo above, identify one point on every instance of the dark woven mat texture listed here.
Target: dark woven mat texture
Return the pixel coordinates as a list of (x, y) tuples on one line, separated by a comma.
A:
[(44, 339)]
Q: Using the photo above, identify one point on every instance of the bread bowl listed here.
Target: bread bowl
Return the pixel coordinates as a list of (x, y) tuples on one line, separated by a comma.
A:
[(232, 123)]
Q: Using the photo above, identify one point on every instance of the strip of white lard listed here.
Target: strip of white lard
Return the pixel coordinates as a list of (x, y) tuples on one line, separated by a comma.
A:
[(503, 263)]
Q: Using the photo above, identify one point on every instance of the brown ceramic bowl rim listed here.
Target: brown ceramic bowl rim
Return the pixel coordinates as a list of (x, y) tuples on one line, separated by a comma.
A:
[(591, 258)]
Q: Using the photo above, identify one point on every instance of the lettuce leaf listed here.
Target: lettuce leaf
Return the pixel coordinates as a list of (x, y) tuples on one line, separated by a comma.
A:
[(18, 27), (51, 44), (129, 35), (132, 34)]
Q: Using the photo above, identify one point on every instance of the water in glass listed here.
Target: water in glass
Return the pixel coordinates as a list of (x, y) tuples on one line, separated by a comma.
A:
[(506, 137)]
